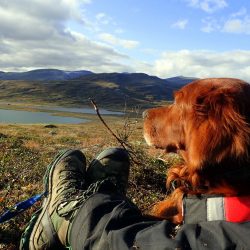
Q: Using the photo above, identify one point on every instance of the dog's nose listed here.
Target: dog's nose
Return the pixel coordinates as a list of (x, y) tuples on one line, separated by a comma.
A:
[(145, 114)]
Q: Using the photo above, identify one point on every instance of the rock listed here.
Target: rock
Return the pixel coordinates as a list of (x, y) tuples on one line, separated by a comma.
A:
[(50, 126)]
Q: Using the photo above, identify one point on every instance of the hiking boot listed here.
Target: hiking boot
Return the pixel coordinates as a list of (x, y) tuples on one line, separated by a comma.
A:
[(112, 163), (64, 182)]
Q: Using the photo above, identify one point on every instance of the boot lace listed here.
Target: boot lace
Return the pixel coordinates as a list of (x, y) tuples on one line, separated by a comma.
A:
[(73, 203)]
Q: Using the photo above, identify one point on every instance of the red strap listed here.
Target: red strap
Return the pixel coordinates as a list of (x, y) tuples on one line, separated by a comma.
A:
[(237, 209)]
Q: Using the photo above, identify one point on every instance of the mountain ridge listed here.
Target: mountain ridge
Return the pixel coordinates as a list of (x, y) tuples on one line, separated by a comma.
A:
[(57, 74), (43, 75), (76, 87)]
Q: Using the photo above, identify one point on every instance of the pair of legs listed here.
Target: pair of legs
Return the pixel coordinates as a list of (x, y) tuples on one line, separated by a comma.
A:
[(68, 183)]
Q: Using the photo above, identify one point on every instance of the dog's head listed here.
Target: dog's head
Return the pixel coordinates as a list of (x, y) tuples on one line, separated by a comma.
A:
[(208, 124)]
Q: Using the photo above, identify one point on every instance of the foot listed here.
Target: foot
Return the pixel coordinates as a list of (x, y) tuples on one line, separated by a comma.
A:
[(111, 163), (64, 182)]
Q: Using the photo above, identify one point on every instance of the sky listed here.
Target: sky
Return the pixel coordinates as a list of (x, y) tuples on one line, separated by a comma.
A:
[(165, 38)]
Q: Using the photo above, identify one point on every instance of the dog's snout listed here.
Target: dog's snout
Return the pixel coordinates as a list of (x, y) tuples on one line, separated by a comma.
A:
[(145, 114)]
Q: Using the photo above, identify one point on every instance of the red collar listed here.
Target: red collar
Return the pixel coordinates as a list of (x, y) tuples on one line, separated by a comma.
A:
[(211, 208)]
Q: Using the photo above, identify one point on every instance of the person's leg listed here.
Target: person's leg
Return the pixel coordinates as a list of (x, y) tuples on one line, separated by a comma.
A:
[(65, 181), (107, 219)]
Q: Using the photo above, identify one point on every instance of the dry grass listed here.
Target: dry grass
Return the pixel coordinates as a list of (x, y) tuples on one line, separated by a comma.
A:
[(26, 150)]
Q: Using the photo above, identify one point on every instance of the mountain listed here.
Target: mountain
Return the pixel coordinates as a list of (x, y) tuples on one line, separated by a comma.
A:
[(180, 81), (112, 90), (43, 75)]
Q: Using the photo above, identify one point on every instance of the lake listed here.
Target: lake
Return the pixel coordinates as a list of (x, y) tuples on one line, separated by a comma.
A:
[(83, 110), (43, 116), (26, 117)]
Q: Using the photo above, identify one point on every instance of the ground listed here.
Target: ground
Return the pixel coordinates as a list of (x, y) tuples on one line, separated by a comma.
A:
[(26, 150)]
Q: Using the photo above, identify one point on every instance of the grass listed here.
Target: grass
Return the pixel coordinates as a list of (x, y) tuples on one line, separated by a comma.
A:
[(26, 150)]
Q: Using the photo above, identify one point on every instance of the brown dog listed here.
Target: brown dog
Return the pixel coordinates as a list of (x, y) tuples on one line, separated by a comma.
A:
[(208, 124)]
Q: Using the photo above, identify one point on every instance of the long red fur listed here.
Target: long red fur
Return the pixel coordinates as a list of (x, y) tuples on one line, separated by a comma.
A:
[(208, 124)]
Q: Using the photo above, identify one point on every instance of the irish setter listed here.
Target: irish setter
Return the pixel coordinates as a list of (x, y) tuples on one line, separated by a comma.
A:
[(208, 125)]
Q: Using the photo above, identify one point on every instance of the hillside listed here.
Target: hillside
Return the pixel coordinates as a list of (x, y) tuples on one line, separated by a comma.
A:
[(111, 90)]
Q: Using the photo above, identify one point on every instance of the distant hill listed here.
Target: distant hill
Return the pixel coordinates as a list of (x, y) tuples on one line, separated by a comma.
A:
[(111, 90), (43, 75), (180, 80)]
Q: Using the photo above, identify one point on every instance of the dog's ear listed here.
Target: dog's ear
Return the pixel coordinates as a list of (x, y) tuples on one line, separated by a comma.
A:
[(218, 104), (219, 127)]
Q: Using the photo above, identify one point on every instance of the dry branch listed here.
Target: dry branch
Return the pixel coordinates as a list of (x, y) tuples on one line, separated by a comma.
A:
[(123, 143)]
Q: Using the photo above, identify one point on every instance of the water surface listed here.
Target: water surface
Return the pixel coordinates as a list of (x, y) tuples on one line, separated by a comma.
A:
[(27, 117), (83, 110)]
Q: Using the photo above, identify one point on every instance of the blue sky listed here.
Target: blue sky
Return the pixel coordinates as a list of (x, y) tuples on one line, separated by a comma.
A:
[(196, 38)]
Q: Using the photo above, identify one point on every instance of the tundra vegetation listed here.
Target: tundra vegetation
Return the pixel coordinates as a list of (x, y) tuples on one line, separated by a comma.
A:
[(26, 150)]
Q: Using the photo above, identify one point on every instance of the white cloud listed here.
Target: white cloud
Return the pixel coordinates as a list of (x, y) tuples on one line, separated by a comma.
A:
[(34, 34), (113, 40), (241, 12), (28, 20), (119, 31), (103, 18), (238, 22), (208, 6), (47, 10), (60, 52), (180, 24), (204, 64), (210, 25), (237, 25)]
